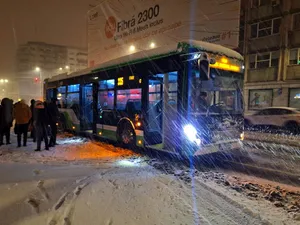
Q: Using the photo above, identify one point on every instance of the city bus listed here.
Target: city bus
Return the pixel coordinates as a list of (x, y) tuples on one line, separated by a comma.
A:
[(183, 98)]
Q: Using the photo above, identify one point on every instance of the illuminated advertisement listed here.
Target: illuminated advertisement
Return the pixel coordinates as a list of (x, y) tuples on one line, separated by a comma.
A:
[(294, 99), (259, 99), (121, 27)]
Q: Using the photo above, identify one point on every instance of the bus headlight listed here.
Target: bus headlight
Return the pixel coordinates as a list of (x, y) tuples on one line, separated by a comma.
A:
[(191, 133)]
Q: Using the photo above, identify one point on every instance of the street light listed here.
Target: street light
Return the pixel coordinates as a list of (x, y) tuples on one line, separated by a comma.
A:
[(60, 68), (38, 69), (67, 67), (3, 81)]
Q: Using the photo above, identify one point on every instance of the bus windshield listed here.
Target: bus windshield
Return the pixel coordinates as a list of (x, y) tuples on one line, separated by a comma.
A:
[(220, 94)]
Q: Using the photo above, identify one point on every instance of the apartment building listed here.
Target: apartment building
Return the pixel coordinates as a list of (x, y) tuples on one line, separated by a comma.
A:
[(76, 59), (270, 42), (36, 61)]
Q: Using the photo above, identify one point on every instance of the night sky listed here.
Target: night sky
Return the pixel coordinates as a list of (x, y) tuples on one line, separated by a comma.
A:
[(53, 21)]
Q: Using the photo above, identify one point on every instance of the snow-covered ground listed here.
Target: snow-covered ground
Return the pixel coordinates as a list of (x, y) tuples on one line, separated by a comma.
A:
[(131, 192), (70, 150), (81, 182)]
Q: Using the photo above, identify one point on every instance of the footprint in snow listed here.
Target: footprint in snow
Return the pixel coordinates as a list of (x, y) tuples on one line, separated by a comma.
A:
[(34, 203)]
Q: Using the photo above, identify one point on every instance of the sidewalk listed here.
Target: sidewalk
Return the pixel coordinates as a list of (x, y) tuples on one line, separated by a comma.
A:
[(69, 149)]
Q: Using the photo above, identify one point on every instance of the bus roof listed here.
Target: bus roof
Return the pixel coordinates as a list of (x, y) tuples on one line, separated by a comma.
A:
[(154, 54)]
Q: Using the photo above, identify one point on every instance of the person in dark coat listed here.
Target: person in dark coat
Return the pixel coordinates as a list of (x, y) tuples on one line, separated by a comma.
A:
[(53, 120), (6, 119), (1, 121), (202, 104), (41, 121), (32, 135)]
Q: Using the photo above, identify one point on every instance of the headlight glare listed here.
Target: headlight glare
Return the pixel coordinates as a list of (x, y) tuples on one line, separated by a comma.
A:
[(191, 133)]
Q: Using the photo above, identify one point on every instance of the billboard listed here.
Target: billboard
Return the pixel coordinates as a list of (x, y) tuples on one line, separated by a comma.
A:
[(120, 27)]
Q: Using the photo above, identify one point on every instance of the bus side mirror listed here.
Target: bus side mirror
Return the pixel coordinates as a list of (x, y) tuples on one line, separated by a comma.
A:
[(203, 67), (212, 61)]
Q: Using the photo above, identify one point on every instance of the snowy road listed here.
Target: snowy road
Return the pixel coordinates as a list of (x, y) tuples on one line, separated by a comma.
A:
[(80, 182), (28, 189), (118, 194)]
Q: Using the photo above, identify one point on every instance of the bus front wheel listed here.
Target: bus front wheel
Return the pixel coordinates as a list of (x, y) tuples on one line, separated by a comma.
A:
[(126, 134)]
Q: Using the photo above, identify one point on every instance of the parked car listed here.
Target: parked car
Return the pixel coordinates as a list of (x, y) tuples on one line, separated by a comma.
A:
[(275, 117)]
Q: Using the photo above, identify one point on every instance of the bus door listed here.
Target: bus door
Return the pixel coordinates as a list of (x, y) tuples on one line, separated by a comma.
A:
[(86, 119), (162, 111), (155, 111)]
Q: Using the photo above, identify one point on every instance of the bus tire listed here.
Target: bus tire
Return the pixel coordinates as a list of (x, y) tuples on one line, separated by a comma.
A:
[(126, 134), (247, 124)]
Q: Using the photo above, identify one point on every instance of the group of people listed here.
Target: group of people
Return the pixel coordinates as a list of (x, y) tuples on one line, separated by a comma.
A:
[(40, 119)]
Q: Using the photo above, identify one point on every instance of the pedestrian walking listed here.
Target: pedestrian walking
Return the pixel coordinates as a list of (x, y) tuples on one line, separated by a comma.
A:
[(41, 121), (6, 119), (22, 115)]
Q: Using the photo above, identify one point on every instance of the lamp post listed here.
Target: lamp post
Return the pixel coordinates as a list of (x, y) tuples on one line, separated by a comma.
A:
[(38, 69)]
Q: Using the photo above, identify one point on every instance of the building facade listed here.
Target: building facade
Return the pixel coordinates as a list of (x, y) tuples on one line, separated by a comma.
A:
[(37, 61), (270, 42)]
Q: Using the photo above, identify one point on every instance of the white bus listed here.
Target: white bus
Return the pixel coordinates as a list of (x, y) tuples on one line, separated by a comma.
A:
[(184, 98)]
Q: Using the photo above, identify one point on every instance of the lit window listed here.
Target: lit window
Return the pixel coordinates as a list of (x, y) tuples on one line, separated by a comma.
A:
[(105, 100), (73, 88), (106, 84), (129, 99), (294, 99), (62, 89)]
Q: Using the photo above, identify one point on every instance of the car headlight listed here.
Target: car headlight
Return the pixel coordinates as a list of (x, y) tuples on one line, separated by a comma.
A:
[(242, 136), (191, 133)]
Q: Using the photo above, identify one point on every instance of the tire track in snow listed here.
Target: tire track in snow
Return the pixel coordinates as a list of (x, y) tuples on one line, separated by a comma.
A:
[(216, 203), (199, 215), (64, 207)]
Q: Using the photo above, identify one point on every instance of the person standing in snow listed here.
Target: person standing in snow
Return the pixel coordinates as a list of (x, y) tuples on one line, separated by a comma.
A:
[(6, 119), (22, 115), (32, 135), (1, 122), (41, 121), (53, 120)]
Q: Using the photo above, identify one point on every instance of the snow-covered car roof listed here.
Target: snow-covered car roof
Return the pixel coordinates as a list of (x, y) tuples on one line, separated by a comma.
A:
[(259, 110), (287, 108)]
